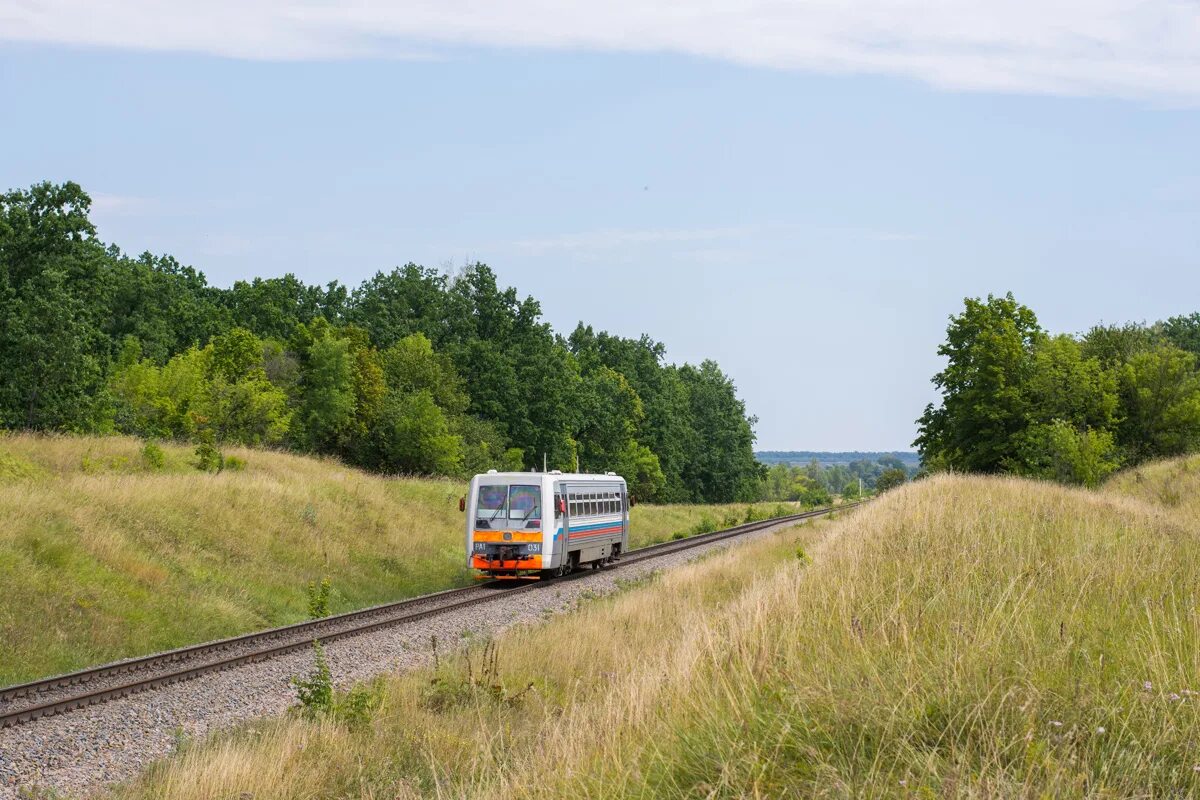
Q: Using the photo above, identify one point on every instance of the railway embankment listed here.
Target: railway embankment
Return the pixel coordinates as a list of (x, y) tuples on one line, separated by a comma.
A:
[(960, 636), (108, 551), (80, 752)]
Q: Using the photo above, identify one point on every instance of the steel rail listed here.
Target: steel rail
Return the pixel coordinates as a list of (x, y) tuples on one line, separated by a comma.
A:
[(326, 629)]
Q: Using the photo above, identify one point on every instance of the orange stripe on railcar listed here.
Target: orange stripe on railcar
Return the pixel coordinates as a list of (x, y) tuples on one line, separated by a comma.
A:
[(513, 536)]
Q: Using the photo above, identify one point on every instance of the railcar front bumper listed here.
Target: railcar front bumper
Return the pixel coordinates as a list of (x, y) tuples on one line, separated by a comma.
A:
[(507, 568)]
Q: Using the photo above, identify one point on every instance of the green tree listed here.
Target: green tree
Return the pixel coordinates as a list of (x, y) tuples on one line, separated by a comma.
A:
[(1160, 403), (328, 404), (1064, 385), (1113, 345), (610, 411), (721, 463), (50, 376), (890, 479), (1184, 332), (985, 405), (413, 436)]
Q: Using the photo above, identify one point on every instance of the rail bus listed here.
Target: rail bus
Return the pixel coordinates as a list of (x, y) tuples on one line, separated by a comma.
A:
[(535, 525)]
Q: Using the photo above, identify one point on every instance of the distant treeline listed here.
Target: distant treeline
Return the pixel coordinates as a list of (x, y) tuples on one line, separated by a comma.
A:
[(413, 371), (817, 483), (1016, 398), (832, 458)]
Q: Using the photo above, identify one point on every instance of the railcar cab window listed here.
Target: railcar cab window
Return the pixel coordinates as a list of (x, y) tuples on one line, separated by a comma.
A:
[(508, 507)]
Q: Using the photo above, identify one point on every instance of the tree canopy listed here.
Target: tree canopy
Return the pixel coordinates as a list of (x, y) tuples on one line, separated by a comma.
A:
[(1015, 398), (415, 370)]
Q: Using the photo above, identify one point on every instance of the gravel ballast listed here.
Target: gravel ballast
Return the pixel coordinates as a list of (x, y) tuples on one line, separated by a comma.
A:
[(80, 753)]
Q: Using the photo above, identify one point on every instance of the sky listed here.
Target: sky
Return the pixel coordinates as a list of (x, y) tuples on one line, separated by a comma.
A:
[(802, 191)]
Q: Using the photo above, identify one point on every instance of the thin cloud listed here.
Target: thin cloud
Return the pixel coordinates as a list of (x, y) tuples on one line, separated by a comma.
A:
[(611, 239), (1131, 48)]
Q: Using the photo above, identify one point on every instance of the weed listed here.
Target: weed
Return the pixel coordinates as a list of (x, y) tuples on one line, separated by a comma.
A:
[(450, 689), (315, 692), (318, 598), (180, 740), (642, 581)]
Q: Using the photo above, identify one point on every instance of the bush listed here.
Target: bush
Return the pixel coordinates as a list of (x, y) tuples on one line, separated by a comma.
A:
[(235, 464), (1061, 453), (152, 456), (354, 708), (209, 458)]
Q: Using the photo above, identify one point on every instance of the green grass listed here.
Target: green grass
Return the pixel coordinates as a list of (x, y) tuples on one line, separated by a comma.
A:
[(959, 637), (106, 554)]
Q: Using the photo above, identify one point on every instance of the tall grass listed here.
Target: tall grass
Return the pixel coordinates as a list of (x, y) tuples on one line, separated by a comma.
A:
[(110, 549), (972, 637)]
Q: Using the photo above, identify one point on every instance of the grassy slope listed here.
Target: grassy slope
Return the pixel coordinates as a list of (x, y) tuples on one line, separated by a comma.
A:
[(102, 557), (959, 637)]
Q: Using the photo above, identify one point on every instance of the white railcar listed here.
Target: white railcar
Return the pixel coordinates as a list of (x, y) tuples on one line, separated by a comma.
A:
[(541, 524)]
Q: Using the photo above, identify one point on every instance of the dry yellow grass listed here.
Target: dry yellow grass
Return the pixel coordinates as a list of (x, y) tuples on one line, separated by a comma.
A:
[(964, 637), (103, 556)]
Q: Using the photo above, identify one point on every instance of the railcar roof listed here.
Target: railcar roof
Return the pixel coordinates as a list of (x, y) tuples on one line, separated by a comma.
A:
[(565, 476)]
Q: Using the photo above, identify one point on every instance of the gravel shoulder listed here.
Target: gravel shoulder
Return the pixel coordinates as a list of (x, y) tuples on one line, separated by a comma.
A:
[(80, 753)]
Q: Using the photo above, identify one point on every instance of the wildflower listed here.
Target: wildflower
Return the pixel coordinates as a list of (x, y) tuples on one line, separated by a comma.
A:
[(904, 783), (1196, 768), (1147, 686), (1174, 698), (1100, 729), (1055, 723)]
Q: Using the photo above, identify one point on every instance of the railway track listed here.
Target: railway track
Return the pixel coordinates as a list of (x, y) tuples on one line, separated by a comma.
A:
[(63, 693)]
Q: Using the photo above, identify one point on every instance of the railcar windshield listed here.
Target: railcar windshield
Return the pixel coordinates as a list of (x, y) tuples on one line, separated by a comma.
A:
[(498, 506)]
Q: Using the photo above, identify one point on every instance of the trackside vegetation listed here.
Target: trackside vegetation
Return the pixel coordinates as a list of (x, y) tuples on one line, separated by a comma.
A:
[(112, 547), (1017, 399), (414, 371), (960, 636)]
